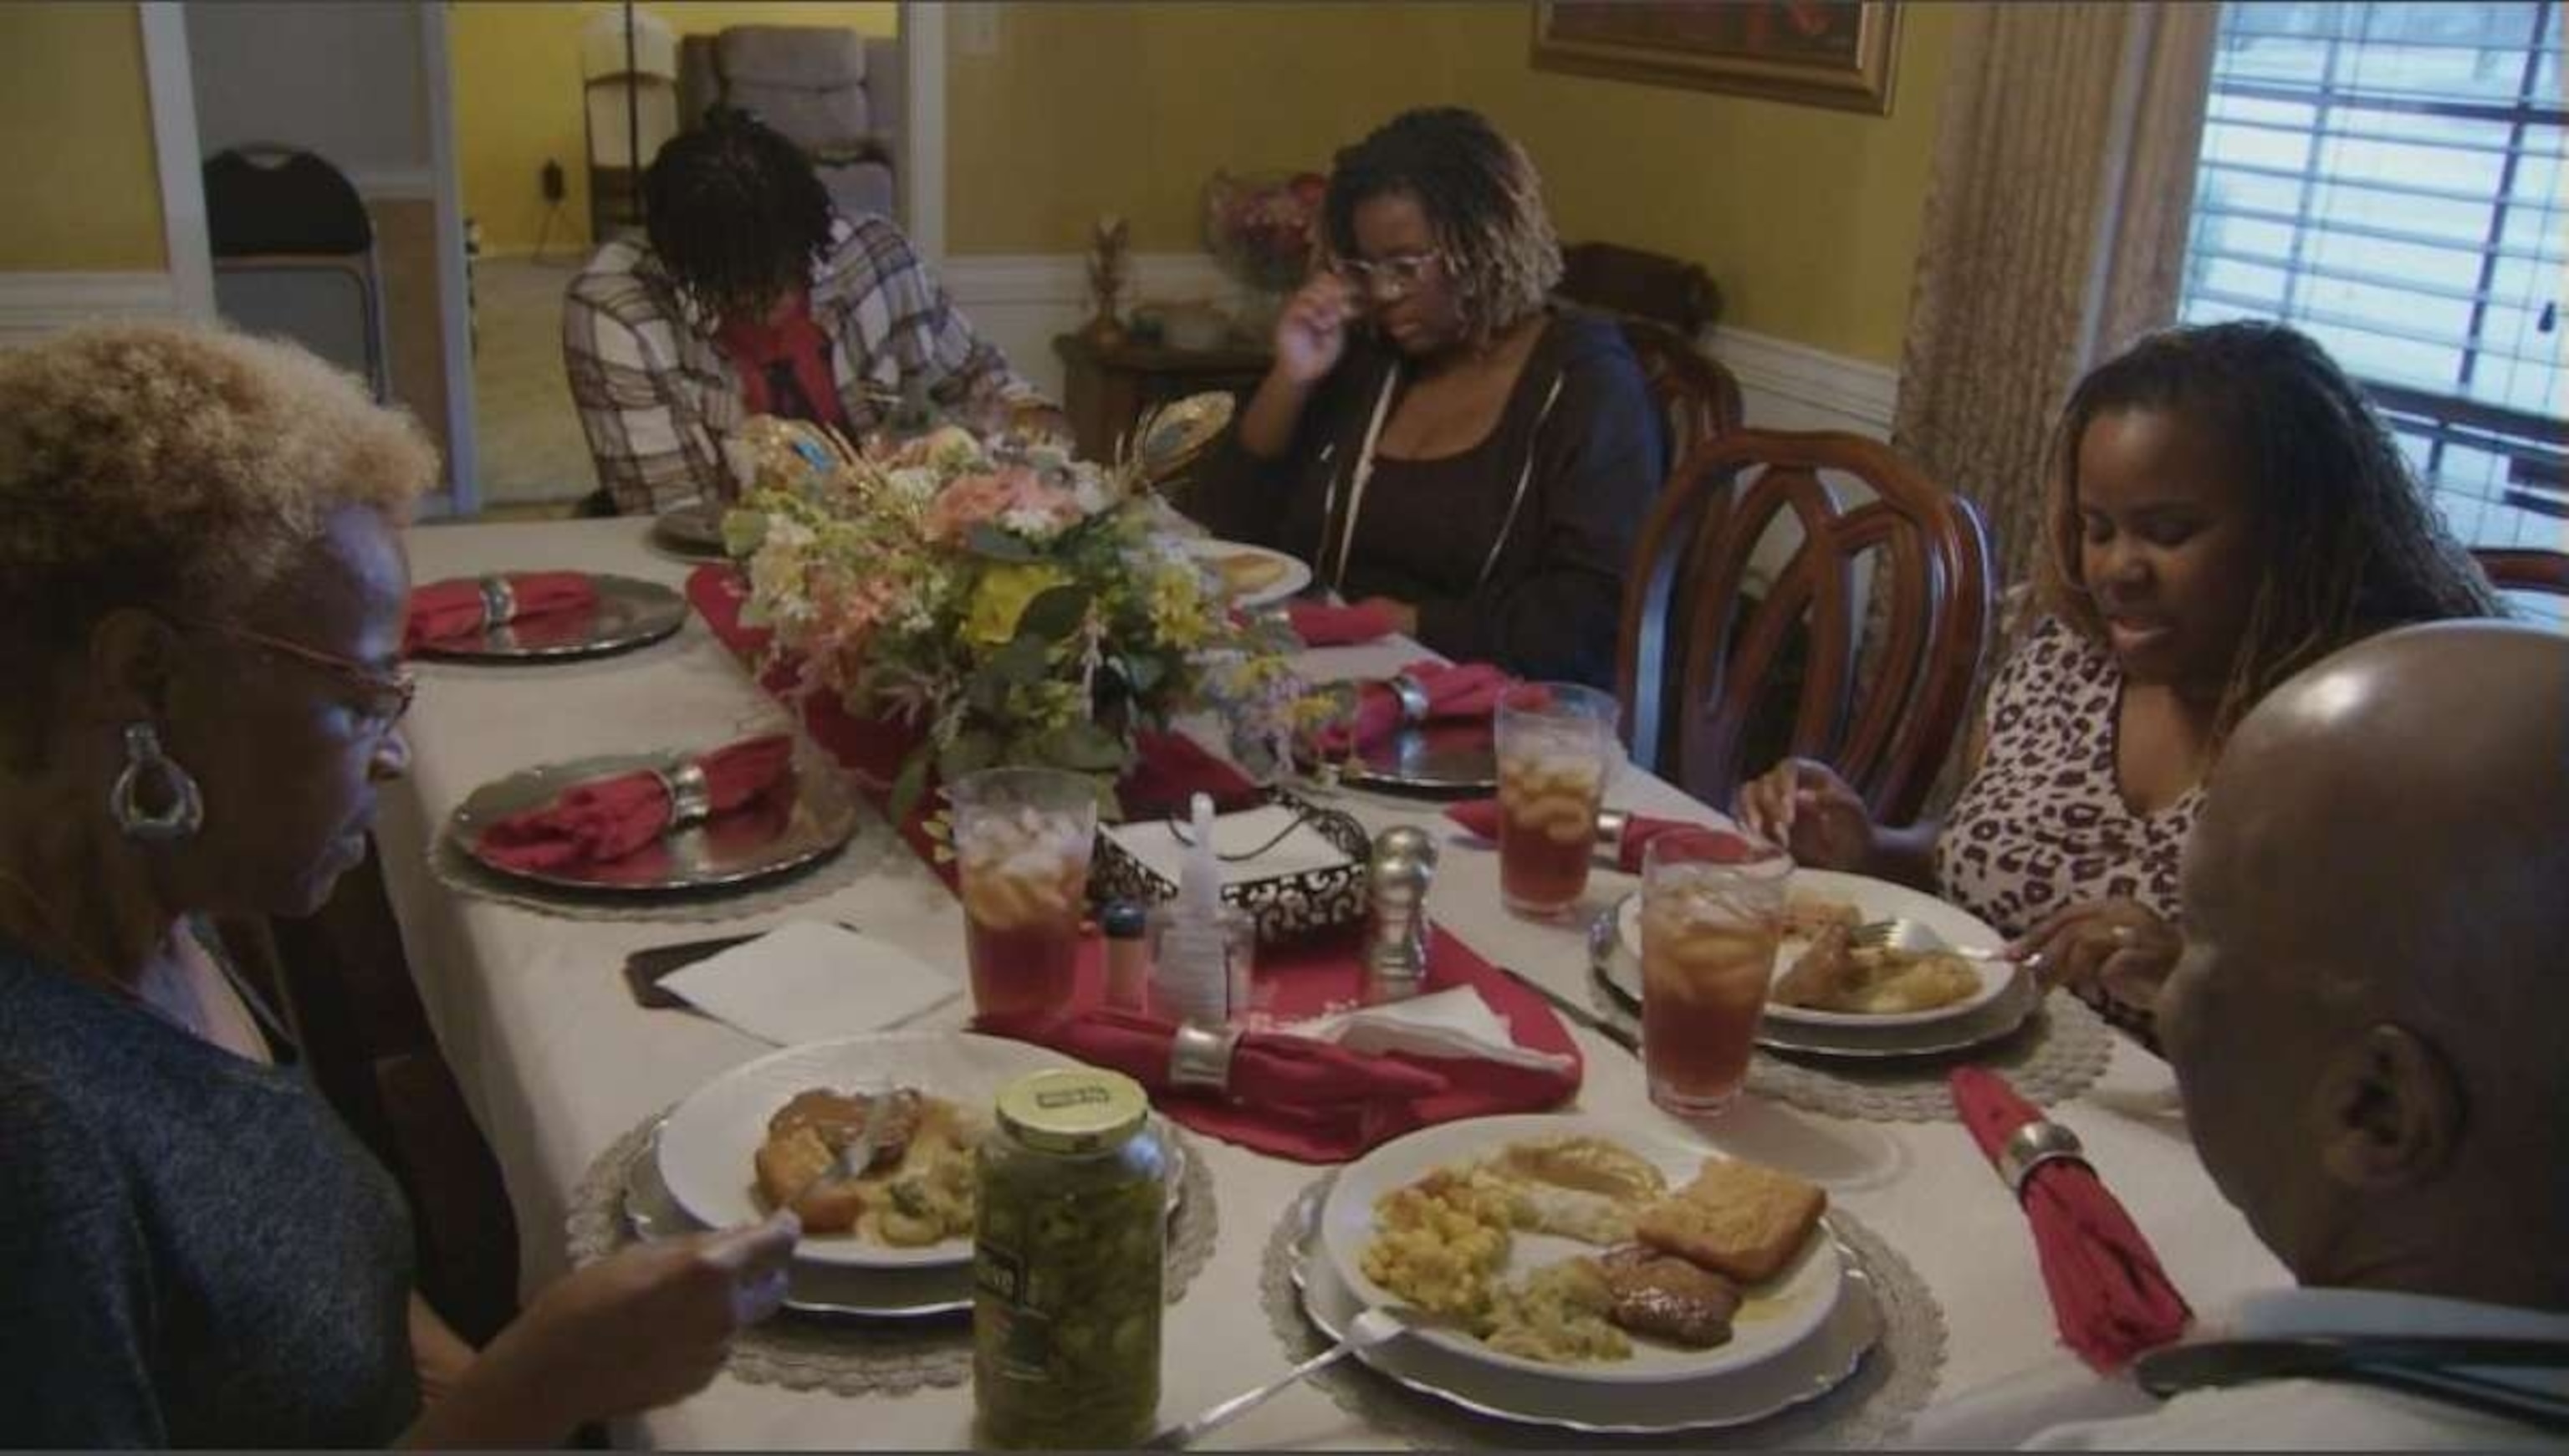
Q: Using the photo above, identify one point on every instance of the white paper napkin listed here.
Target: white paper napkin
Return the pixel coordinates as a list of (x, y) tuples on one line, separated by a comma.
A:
[(808, 981), (1456, 1022), (1301, 848)]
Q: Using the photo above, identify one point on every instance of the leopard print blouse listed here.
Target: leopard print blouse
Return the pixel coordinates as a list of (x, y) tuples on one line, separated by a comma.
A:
[(2042, 824)]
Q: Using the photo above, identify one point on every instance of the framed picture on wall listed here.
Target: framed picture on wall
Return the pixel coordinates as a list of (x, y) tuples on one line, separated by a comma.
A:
[(1833, 52)]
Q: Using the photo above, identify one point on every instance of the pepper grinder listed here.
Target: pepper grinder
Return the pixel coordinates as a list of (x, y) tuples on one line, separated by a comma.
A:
[(1397, 878)]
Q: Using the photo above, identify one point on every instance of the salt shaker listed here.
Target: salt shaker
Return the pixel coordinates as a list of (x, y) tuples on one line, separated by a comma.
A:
[(1398, 875)]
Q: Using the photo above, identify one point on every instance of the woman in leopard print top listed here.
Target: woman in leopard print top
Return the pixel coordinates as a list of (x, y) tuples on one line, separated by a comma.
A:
[(2226, 510)]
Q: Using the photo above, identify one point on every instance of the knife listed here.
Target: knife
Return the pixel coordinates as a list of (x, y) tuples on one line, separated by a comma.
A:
[(1622, 1036)]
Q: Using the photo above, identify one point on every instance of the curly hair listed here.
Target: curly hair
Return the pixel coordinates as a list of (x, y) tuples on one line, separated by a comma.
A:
[(2351, 542), (1483, 202), (735, 213), (181, 467)]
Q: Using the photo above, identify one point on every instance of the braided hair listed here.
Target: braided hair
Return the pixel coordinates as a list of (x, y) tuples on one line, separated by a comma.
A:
[(2352, 544), (1483, 203), (735, 213)]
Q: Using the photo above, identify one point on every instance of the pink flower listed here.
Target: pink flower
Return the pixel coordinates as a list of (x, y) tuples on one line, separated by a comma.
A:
[(1015, 492)]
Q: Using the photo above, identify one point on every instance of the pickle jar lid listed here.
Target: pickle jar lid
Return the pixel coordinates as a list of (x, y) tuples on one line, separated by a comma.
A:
[(1073, 1109)]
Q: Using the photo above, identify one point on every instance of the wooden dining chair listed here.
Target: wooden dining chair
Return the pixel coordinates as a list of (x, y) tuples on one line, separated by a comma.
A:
[(2526, 568), (1703, 655), (1699, 397)]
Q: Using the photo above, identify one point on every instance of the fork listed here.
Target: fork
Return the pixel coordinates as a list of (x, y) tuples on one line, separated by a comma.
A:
[(1916, 938), (1371, 1326)]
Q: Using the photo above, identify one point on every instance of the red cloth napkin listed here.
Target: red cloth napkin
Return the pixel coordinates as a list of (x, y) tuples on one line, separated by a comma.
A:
[(1170, 769), (1295, 982), (1481, 817), (1455, 691), (603, 822), (1321, 626), (443, 609), (1268, 1068), (2109, 1296)]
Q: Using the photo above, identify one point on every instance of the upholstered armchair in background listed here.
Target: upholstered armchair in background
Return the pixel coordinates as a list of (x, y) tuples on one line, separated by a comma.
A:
[(836, 91)]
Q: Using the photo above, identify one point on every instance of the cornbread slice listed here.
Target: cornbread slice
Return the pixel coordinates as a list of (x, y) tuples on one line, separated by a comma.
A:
[(1736, 1219)]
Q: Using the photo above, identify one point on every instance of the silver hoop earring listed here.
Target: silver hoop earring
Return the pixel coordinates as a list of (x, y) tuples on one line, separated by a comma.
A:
[(143, 755)]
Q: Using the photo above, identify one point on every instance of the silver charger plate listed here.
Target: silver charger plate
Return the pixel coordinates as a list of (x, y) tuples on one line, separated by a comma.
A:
[(1823, 1360), (1617, 971), (836, 1292), (1451, 758), (628, 613), (798, 822), (692, 531)]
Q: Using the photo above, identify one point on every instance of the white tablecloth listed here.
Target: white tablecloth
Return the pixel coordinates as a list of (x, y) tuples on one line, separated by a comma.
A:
[(557, 1060)]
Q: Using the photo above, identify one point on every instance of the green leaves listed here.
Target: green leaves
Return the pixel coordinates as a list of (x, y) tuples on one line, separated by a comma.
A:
[(1055, 614), (990, 540), (1083, 746), (912, 781)]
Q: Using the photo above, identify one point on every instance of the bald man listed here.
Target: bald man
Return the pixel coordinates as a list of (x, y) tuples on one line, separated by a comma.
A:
[(2370, 1029)]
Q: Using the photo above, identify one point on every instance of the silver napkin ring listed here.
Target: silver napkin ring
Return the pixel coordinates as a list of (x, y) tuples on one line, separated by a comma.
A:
[(1610, 824), (1414, 703), (2031, 1146), (1201, 1057), (499, 601), (691, 800)]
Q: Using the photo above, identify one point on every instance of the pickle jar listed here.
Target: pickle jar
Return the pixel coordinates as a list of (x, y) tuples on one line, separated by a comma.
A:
[(1066, 1264)]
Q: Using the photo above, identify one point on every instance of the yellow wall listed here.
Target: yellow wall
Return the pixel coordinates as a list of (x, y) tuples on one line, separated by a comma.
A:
[(517, 101), (1808, 218), (79, 189)]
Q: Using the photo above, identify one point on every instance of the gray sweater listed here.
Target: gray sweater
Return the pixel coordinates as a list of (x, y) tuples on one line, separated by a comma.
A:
[(194, 1249)]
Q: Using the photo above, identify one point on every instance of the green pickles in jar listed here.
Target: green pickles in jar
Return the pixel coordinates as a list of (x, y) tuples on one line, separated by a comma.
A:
[(1067, 1265)]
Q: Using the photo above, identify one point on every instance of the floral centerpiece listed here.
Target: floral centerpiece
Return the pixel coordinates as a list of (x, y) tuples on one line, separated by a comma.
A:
[(1011, 604)]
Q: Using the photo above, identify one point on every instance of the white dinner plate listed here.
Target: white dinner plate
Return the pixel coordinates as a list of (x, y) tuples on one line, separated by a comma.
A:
[(1777, 1315), (710, 1141), (1810, 1370), (1295, 577), (1875, 899)]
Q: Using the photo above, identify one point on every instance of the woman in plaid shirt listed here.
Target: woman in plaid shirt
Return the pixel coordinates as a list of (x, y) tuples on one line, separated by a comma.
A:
[(752, 297)]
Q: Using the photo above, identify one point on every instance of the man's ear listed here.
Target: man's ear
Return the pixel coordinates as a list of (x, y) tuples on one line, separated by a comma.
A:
[(133, 656), (2389, 1111)]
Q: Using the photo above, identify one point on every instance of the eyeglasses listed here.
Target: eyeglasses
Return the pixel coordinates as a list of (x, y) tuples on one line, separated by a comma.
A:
[(1393, 277), (382, 697)]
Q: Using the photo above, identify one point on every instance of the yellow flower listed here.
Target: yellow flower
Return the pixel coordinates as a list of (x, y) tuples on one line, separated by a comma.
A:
[(1002, 598), (1178, 609)]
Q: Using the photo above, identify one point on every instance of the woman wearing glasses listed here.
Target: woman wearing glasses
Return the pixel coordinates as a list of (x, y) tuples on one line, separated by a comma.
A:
[(202, 591), (1430, 437)]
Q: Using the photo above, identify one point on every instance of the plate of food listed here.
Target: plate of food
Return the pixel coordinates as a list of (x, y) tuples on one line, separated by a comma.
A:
[(1250, 576), (756, 1134), (1818, 1364), (1822, 981), (1564, 1248)]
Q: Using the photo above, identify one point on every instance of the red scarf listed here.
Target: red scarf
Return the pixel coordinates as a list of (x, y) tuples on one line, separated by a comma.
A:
[(784, 365)]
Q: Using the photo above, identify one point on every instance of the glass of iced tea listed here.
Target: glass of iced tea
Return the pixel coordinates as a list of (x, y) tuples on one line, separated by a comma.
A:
[(1022, 844), (1556, 748), (1712, 909)]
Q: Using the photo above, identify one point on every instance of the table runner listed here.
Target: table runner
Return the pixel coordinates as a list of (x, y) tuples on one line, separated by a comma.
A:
[(1295, 982)]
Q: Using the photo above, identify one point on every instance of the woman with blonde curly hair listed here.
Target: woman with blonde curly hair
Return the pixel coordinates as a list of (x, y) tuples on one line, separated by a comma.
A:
[(202, 592), (2225, 511), (1431, 438)]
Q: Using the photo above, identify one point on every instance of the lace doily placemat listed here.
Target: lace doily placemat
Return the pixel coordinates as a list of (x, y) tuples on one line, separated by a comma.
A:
[(1871, 1408), (849, 1357), (460, 873), (2059, 1050)]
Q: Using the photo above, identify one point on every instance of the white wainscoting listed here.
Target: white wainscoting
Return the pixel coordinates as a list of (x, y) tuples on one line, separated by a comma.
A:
[(1022, 301), (33, 305)]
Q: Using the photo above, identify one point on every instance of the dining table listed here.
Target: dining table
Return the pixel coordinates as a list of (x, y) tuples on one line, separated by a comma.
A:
[(557, 1060)]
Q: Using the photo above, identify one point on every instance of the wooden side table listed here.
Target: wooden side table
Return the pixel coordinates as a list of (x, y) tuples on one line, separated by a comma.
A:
[(1110, 387)]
